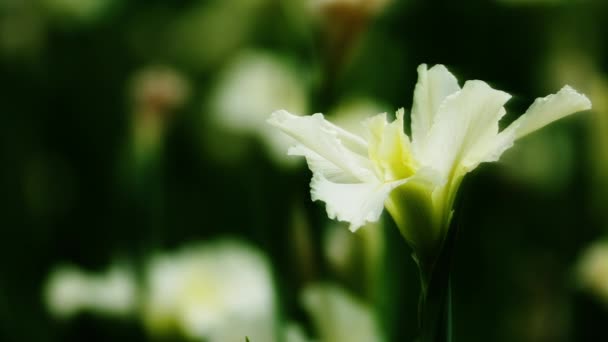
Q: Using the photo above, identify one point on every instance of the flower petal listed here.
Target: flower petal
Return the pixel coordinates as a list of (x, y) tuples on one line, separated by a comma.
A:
[(329, 150), (541, 113), (465, 124), (548, 109), (433, 86), (356, 203)]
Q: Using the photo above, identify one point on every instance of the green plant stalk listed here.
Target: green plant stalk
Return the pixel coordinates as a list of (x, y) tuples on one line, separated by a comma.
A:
[(435, 304), (435, 315)]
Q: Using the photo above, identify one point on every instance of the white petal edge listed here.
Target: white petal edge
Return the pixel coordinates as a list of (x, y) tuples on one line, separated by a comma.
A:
[(356, 203), (329, 149), (433, 86), (542, 112), (550, 108)]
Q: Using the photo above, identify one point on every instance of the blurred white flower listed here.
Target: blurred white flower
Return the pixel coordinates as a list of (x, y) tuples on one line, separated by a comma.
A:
[(338, 316), (593, 269), (454, 129), (69, 291), (252, 85), (215, 292)]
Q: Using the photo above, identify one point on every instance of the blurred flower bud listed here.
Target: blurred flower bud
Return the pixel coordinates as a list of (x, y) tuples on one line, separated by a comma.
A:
[(158, 89), (155, 93), (338, 8), (341, 23)]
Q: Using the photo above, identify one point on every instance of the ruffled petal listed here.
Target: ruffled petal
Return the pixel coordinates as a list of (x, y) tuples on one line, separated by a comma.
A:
[(356, 203), (434, 85), (542, 112), (465, 124), (550, 108), (330, 151)]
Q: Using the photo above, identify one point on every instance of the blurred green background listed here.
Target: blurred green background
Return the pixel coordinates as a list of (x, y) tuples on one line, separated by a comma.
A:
[(133, 127)]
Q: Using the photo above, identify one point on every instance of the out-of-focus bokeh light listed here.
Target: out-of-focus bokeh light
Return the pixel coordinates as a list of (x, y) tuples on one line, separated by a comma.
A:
[(592, 270), (212, 31), (339, 316), (22, 29), (254, 84), (155, 92), (70, 291), (213, 292), (78, 11)]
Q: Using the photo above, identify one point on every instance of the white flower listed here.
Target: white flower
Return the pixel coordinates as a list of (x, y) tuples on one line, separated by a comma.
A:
[(70, 291), (213, 292), (453, 130)]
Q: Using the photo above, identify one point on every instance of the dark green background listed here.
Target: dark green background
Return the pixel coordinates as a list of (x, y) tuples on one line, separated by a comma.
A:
[(70, 194)]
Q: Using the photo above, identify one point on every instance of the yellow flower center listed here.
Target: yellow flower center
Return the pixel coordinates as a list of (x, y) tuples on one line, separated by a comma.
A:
[(389, 148)]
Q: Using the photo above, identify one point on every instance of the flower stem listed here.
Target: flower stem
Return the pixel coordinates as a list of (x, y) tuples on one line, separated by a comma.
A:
[(436, 315), (435, 310)]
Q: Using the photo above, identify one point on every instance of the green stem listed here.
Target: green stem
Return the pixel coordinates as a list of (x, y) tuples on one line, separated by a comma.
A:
[(435, 310), (436, 315)]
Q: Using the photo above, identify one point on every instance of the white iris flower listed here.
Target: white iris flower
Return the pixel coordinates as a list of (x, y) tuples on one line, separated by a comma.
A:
[(453, 130)]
